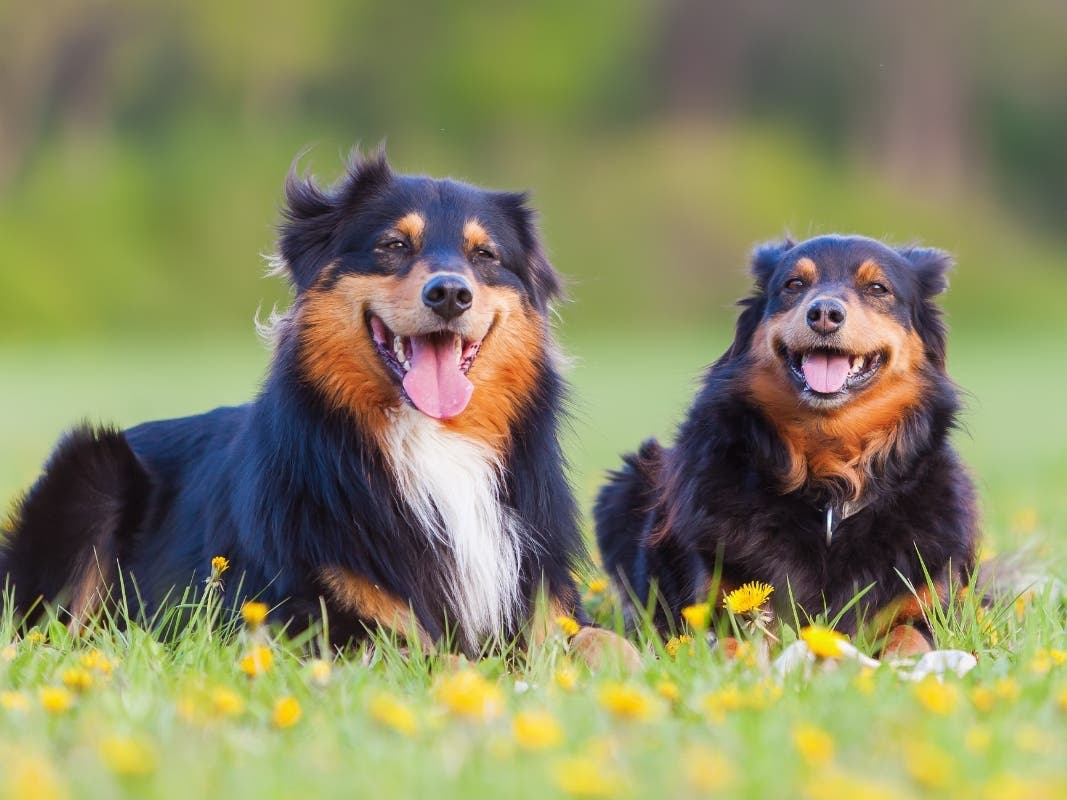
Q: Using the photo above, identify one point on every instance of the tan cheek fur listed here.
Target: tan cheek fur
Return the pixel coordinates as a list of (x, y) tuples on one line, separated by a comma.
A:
[(506, 370), (845, 443)]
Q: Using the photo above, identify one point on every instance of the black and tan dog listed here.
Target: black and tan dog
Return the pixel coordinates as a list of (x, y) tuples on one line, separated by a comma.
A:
[(816, 457), (401, 463)]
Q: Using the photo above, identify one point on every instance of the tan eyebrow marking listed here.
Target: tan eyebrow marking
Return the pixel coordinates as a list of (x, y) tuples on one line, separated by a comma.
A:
[(806, 270), (412, 225), (869, 272), (474, 235)]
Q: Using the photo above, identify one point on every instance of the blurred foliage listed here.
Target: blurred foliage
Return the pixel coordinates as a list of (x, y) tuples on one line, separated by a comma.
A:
[(143, 145)]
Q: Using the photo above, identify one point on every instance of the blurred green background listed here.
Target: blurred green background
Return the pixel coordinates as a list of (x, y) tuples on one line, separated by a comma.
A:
[(143, 148)]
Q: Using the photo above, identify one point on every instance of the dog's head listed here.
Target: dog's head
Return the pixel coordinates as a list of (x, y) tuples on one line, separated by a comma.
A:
[(837, 319), (411, 289)]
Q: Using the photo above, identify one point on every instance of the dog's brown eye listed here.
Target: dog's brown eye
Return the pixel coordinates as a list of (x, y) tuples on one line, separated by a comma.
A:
[(481, 252), (393, 244), (794, 285), (877, 289)]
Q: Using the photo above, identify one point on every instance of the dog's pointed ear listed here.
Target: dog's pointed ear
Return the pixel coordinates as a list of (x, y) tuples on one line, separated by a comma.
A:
[(311, 215), (931, 267), (765, 259), (543, 282)]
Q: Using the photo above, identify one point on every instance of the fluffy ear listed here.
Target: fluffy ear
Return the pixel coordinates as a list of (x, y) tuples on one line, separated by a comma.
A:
[(765, 259), (545, 284), (311, 214), (931, 268)]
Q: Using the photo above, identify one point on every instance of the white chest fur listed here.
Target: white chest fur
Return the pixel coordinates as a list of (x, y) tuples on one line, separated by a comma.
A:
[(452, 485)]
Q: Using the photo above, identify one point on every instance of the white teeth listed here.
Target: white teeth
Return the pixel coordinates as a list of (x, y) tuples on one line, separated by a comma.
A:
[(858, 364), (398, 349), (406, 365)]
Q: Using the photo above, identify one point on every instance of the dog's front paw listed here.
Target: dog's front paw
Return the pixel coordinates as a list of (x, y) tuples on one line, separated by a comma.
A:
[(904, 641), (597, 647)]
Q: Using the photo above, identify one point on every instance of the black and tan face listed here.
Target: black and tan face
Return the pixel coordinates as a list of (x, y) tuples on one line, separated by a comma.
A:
[(419, 290), (842, 316)]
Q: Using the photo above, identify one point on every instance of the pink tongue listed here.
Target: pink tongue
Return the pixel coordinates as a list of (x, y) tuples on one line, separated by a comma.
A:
[(825, 373), (435, 383)]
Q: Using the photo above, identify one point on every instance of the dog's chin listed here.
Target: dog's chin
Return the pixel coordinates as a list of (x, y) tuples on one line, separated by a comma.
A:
[(828, 378)]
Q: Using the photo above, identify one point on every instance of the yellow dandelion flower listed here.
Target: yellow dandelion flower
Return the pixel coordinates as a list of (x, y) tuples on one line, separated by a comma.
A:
[(983, 699), (55, 699), (834, 785), (388, 710), (1024, 520), (626, 701), (536, 730), (597, 586), (1012, 787), (8, 653), (254, 613), (219, 564), (675, 644), (929, 765), (864, 681), (731, 697), (14, 701), (35, 637), (31, 776), (1031, 739), (568, 625), (286, 713), (1007, 690), (937, 697), (1045, 660), (321, 670), (815, 746), (584, 776), (257, 661), (741, 652), (748, 597), (823, 642), (1021, 604), (697, 616), (95, 661), (126, 756), (226, 702), (77, 679), (1041, 664), (468, 694), (566, 677), (706, 770), (669, 691), (187, 710), (978, 739), (724, 699)]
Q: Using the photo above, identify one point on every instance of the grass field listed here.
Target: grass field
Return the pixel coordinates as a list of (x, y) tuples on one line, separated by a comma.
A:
[(122, 714)]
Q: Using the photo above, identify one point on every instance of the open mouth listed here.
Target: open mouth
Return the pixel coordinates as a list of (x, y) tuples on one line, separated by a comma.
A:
[(829, 373), (431, 367)]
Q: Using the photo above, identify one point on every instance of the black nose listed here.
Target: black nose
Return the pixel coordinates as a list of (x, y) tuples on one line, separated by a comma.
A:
[(825, 315), (447, 296)]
